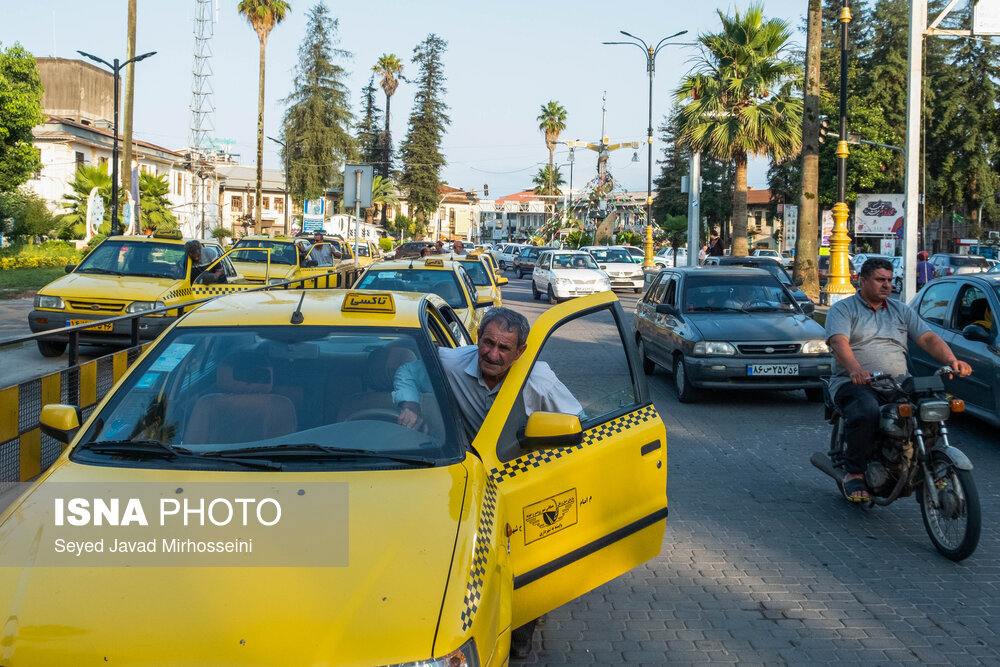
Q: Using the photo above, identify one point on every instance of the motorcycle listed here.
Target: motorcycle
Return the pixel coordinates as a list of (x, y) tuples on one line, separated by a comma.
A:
[(913, 456)]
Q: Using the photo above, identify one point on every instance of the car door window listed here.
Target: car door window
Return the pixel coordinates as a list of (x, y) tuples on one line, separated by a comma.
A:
[(973, 308), (655, 292), (670, 292), (934, 302)]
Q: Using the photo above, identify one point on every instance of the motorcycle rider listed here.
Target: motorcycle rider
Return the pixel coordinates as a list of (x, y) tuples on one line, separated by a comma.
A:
[(868, 332)]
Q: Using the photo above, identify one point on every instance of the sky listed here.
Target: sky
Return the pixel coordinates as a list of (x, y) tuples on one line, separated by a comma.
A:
[(505, 59)]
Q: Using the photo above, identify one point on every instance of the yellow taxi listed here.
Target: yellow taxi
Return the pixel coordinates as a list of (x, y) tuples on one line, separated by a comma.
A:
[(481, 272), (439, 275), (122, 276), (289, 258), (245, 494), (367, 252)]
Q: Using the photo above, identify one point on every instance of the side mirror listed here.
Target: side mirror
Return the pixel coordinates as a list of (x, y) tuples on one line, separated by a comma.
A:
[(976, 333), (667, 309), (484, 303), (70, 267), (501, 280), (60, 422), (602, 267), (798, 282), (550, 429)]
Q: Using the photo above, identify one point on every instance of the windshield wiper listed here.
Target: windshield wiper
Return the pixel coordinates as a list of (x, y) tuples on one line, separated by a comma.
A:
[(106, 272), (152, 275), (155, 448), (313, 450)]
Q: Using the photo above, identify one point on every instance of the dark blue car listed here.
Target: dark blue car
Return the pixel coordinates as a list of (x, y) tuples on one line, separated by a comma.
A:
[(773, 267)]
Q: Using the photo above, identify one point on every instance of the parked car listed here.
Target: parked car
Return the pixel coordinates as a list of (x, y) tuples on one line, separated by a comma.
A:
[(963, 309), (409, 249), (951, 264), (524, 263), (638, 255), (506, 254), (823, 269), (665, 257), (729, 329), (564, 274), (897, 267), (618, 264), (775, 269), (783, 258)]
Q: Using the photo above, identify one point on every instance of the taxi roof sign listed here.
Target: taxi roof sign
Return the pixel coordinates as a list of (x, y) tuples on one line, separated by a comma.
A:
[(434, 261), (368, 302)]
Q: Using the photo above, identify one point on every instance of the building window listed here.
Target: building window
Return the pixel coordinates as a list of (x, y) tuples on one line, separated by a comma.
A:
[(267, 203), (179, 185), (279, 205), (79, 159), (236, 204)]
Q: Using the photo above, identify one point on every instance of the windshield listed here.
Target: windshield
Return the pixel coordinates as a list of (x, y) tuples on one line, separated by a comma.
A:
[(728, 293), (970, 261), (611, 255), (476, 270), (569, 261), (281, 253), (136, 258), (361, 250), (442, 283), (284, 392)]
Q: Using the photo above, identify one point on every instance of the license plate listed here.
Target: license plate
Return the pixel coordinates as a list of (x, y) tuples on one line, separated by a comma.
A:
[(773, 369), (97, 327)]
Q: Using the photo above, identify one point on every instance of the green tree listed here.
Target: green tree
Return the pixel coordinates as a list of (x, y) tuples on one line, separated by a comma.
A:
[(390, 68), (740, 100), (546, 183), (20, 111), (155, 204), (317, 121), (383, 195), (421, 150), (24, 215), (71, 225), (369, 149), (551, 121), (262, 15)]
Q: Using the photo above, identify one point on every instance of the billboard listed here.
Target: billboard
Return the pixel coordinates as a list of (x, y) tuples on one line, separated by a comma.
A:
[(827, 228), (790, 226), (313, 214), (879, 215)]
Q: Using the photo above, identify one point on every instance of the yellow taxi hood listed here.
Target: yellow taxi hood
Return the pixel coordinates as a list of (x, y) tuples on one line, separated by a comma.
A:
[(117, 288), (382, 608)]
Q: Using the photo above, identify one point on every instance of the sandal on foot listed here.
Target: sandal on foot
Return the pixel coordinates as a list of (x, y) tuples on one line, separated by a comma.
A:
[(854, 486)]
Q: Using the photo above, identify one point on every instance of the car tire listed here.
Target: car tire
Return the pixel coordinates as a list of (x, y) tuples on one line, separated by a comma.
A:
[(503, 265), (536, 295), (814, 394), (648, 366), (686, 393), (51, 348), (552, 296)]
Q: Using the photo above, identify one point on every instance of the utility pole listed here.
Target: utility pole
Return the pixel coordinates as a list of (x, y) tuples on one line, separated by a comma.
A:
[(126, 184)]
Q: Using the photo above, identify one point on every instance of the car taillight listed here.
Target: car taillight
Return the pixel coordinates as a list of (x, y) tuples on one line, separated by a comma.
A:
[(948, 271)]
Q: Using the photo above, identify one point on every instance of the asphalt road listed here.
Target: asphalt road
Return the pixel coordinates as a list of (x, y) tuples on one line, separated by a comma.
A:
[(763, 562)]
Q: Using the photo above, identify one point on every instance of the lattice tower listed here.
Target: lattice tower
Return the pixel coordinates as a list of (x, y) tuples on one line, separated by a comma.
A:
[(202, 93)]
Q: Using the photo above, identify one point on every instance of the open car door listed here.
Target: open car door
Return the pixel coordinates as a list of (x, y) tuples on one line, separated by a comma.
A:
[(583, 509), (221, 277)]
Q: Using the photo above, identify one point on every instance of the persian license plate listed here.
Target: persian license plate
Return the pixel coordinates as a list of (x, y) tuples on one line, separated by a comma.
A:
[(773, 369), (97, 327)]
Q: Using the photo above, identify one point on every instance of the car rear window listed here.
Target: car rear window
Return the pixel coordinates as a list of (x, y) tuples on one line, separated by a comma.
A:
[(970, 261)]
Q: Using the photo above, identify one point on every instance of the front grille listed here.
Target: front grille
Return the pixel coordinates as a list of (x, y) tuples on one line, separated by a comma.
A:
[(97, 307), (768, 349), (583, 282)]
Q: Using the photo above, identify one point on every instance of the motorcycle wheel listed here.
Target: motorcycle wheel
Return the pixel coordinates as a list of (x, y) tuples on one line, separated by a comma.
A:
[(953, 529)]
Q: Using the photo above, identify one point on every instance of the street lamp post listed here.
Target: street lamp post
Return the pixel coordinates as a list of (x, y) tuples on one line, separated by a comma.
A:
[(839, 284), (116, 69), (650, 51), (287, 199)]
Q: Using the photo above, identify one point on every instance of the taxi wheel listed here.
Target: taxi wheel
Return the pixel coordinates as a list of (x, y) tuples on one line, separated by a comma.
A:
[(51, 348), (648, 367), (552, 296), (534, 291), (686, 393)]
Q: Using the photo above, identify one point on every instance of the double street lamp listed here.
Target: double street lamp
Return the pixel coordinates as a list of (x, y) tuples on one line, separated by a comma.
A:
[(116, 69), (650, 52), (288, 200)]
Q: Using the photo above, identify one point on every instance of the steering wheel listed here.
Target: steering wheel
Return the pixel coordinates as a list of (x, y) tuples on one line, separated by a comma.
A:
[(757, 303), (376, 414)]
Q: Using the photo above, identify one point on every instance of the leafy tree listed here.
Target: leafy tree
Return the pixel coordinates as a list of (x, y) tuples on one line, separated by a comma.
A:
[(220, 233), (24, 215), (741, 100), (262, 15), (546, 183), (390, 68), (71, 224), (316, 123), (551, 121), (579, 239), (154, 204), (369, 148), (421, 150), (675, 228), (20, 110)]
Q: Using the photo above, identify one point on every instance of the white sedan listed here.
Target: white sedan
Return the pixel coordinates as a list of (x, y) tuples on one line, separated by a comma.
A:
[(617, 263), (563, 274)]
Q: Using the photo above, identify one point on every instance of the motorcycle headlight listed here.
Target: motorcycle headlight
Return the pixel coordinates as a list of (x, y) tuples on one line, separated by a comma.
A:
[(815, 347), (704, 348), (54, 302), (464, 656), (934, 410), (143, 306)]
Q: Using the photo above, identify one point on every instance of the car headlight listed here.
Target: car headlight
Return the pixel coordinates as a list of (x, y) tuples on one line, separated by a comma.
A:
[(815, 347), (44, 301), (275, 281), (143, 306), (563, 281), (714, 348), (464, 656)]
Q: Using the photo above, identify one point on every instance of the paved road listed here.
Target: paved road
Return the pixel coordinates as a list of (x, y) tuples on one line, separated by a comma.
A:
[(764, 563)]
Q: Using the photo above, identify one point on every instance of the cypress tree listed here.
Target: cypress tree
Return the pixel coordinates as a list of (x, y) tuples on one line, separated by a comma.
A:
[(369, 127), (421, 149)]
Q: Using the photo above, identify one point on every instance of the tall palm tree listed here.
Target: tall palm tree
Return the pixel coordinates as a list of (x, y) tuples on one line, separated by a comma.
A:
[(807, 263), (741, 102), (551, 121), (545, 179), (262, 15), (390, 68)]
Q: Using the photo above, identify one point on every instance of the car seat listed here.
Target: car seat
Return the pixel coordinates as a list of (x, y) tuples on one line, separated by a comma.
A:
[(244, 408)]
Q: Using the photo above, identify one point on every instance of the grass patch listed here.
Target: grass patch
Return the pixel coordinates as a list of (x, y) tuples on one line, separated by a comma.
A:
[(15, 282)]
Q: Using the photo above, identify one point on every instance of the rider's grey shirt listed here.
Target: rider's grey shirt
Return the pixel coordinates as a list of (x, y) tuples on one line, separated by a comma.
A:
[(877, 337)]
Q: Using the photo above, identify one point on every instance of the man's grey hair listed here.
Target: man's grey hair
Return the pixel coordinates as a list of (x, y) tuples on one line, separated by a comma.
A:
[(192, 248), (872, 265), (507, 320)]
